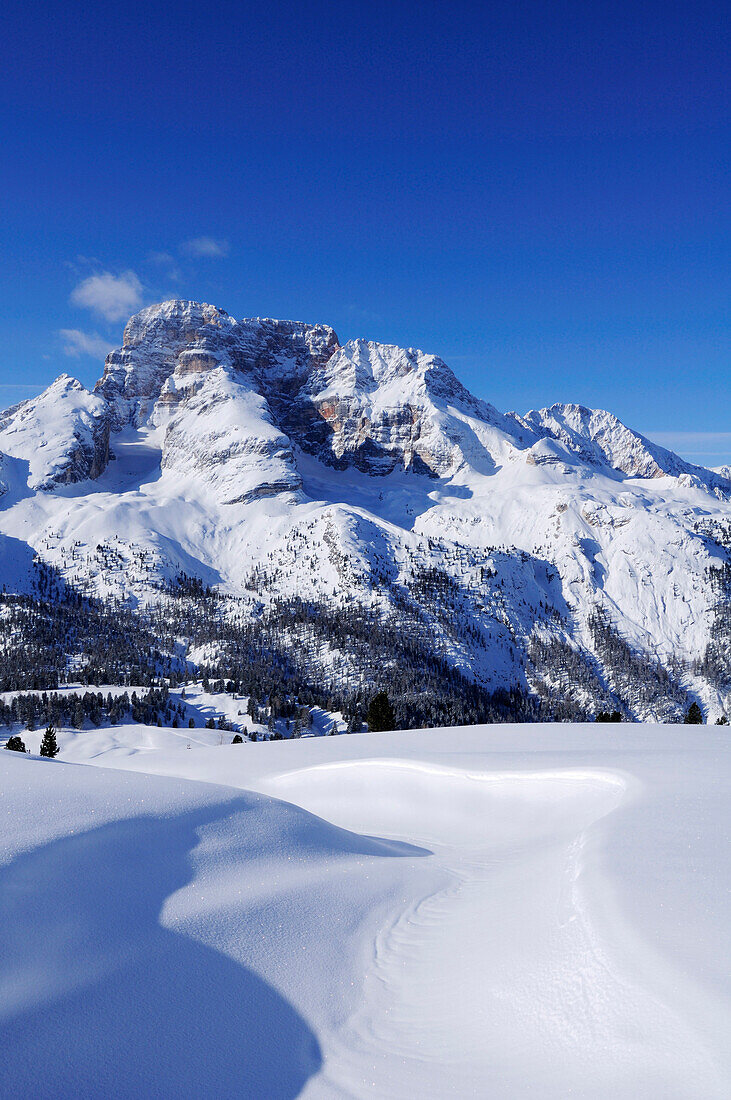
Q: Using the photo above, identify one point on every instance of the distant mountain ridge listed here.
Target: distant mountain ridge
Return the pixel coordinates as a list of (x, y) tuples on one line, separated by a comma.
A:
[(270, 461)]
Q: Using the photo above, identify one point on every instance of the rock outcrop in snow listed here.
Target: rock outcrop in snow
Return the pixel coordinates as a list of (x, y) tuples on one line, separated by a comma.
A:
[(219, 431)]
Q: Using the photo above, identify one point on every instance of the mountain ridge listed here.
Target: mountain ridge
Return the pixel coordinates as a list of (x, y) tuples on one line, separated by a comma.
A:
[(558, 553)]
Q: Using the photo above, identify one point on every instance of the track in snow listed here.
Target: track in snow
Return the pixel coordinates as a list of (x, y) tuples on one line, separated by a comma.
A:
[(500, 979)]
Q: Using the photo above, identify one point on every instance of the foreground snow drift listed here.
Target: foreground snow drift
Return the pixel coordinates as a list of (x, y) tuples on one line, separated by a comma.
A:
[(502, 911)]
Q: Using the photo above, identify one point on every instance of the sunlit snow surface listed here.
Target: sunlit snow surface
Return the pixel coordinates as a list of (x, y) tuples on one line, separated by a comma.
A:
[(498, 912)]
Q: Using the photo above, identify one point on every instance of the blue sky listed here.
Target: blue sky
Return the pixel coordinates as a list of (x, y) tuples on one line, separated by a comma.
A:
[(538, 192)]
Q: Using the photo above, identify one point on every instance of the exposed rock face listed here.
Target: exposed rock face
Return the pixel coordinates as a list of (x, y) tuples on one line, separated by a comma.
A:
[(373, 406), (154, 341), (180, 337), (62, 435), (205, 377), (378, 407)]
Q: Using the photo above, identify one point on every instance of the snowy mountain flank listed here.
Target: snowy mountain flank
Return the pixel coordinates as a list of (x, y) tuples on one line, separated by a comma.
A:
[(365, 521)]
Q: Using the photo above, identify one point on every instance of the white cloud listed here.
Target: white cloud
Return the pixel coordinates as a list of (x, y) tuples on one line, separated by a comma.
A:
[(206, 247), (76, 343), (114, 297)]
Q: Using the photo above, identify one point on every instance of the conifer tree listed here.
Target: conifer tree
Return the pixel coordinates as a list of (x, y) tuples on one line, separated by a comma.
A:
[(49, 745), (380, 713), (694, 717)]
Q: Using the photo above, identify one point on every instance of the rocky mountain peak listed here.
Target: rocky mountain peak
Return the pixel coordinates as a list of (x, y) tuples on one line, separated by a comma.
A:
[(179, 338), (176, 320), (63, 384), (601, 439), (364, 366)]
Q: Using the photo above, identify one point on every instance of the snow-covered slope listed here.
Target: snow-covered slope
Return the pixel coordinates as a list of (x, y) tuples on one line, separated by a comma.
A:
[(57, 438), (219, 431), (599, 438), (558, 552), (496, 911)]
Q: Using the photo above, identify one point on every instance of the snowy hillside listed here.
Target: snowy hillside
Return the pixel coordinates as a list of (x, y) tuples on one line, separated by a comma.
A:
[(372, 519), (498, 911), (57, 438)]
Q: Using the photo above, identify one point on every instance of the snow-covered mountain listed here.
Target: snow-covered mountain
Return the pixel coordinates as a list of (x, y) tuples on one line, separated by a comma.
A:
[(57, 438), (558, 553)]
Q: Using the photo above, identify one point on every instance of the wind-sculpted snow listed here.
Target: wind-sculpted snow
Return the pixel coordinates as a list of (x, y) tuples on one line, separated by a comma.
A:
[(173, 914), (503, 911), (264, 459)]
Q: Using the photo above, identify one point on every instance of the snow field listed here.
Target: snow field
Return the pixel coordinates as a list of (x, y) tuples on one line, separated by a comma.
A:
[(487, 911)]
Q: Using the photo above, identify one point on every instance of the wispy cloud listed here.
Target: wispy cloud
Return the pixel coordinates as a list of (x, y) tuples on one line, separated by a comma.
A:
[(165, 259), (206, 247), (77, 343), (698, 442), (113, 297), (703, 448)]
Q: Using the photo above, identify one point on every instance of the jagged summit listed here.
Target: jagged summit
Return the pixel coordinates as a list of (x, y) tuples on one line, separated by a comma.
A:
[(364, 366), (63, 383), (178, 338), (175, 319), (600, 438)]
